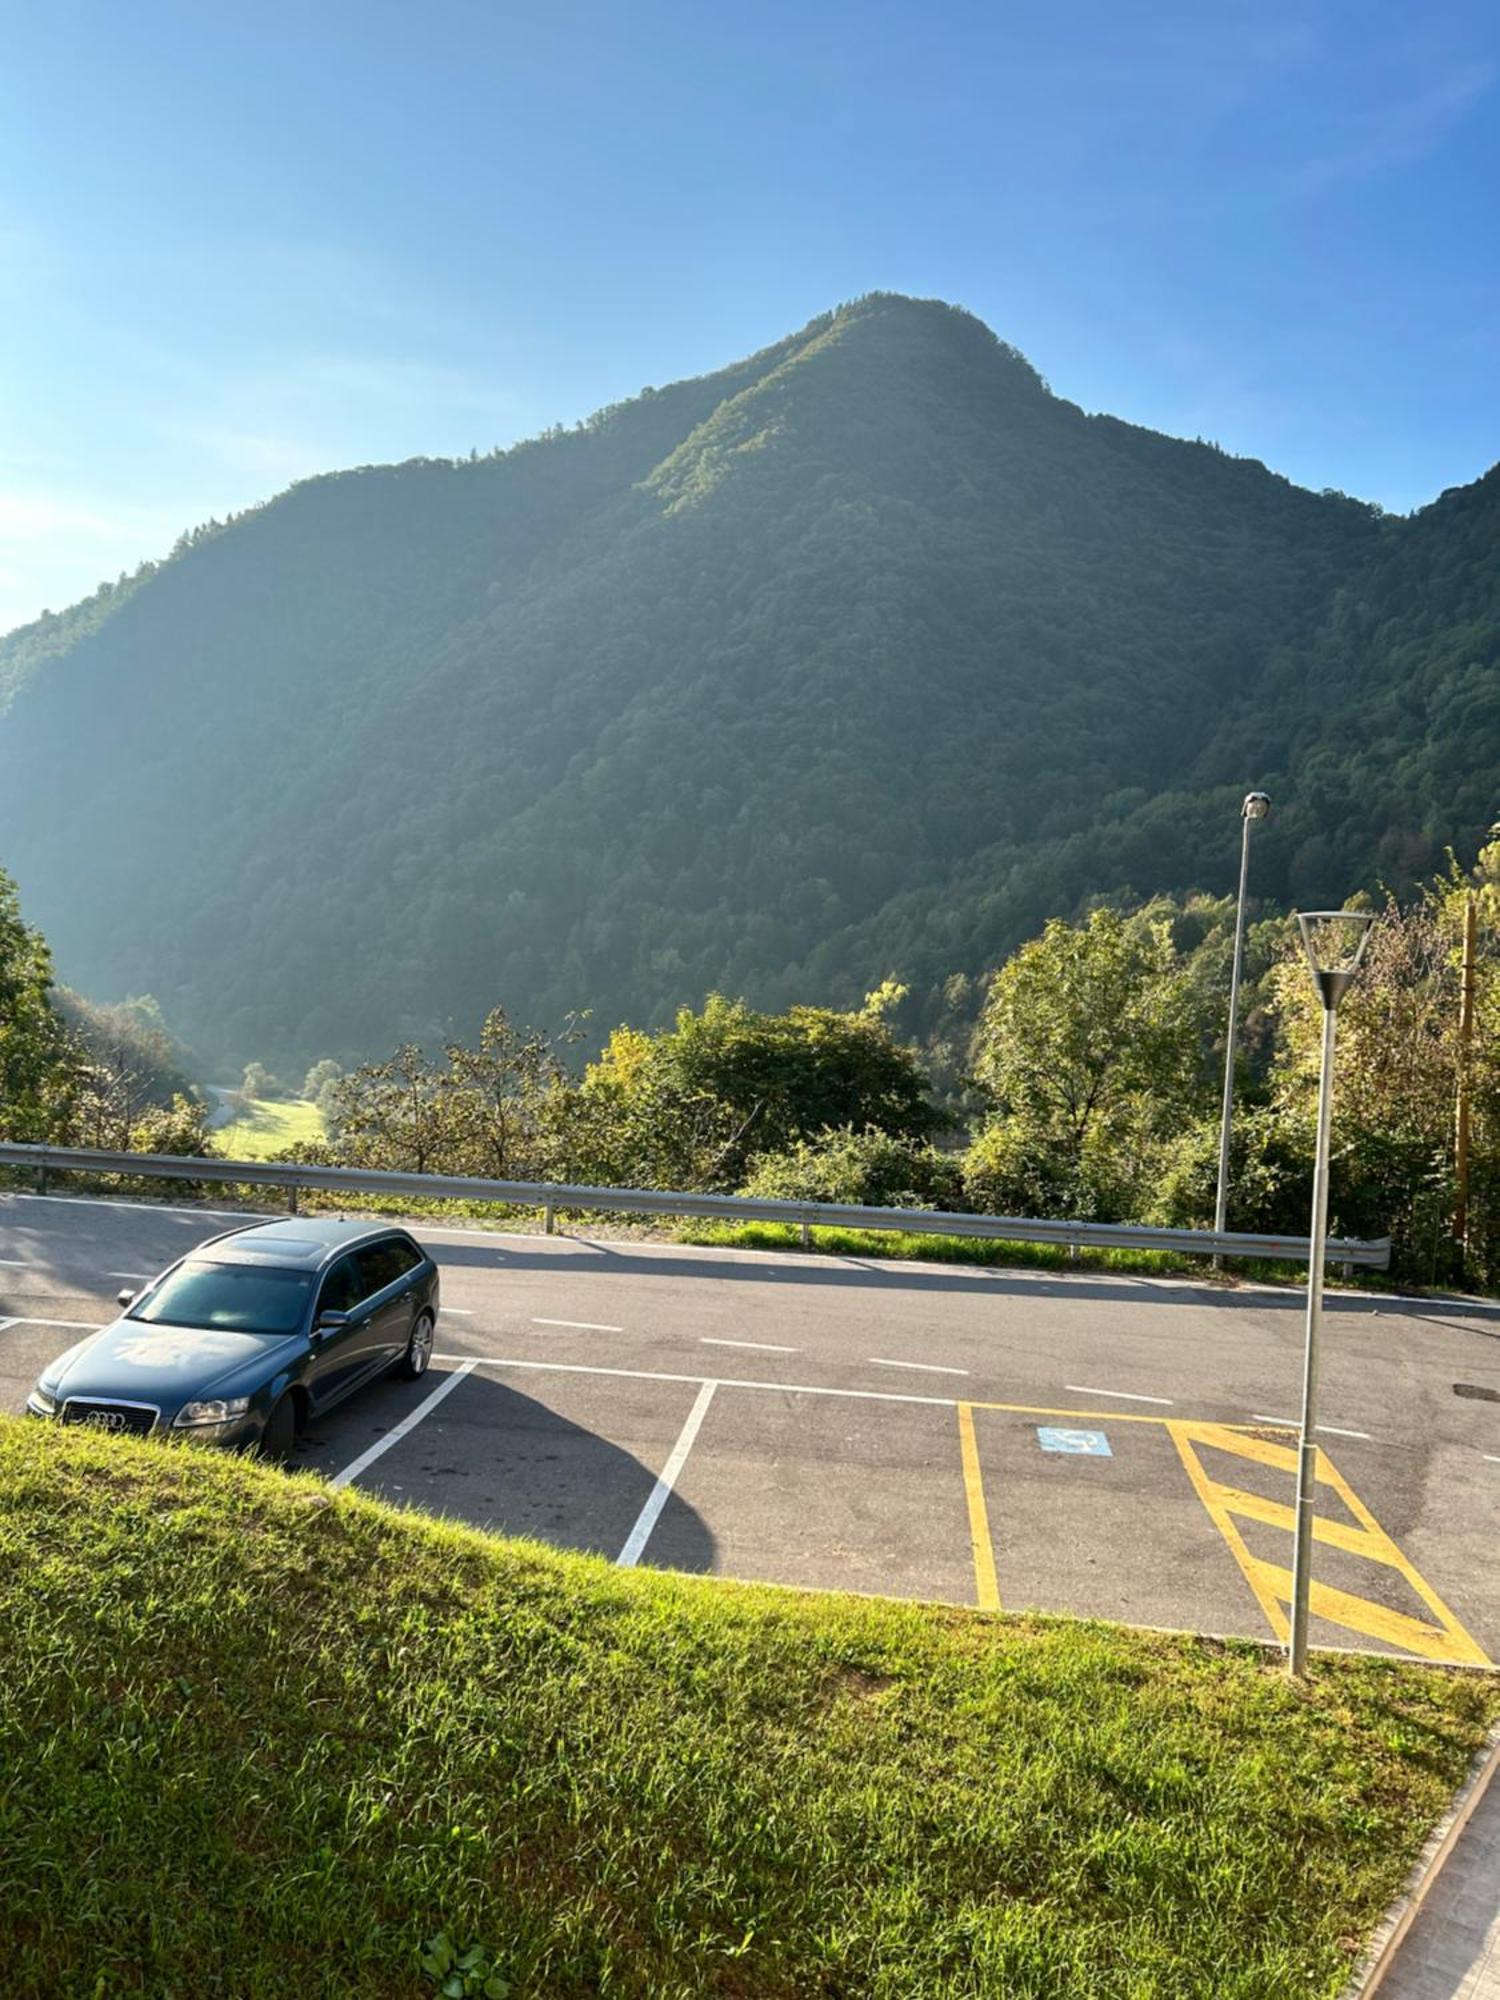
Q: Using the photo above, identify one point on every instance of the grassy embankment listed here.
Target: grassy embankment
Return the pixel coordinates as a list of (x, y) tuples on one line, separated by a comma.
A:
[(261, 1740), (274, 1124)]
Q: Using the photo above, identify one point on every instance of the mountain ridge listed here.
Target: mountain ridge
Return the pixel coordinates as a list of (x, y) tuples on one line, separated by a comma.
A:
[(865, 652)]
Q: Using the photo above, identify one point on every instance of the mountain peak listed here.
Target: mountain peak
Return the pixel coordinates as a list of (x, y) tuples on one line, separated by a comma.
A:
[(863, 653)]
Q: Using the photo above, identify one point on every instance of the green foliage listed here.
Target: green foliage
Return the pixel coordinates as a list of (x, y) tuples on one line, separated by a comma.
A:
[(261, 1740), (692, 1106), (467, 1974), (869, 1168), (486, 1111), (130, 1035), (1092, 1042), (867, 651), (1270, 1176), (37, 1069), (258, 1082)]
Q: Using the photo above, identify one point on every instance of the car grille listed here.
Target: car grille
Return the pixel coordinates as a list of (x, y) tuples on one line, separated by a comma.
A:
[(133, 1419)]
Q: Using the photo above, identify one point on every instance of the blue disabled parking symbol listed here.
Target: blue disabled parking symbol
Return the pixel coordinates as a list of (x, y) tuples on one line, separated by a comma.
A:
[(1087, 1444)]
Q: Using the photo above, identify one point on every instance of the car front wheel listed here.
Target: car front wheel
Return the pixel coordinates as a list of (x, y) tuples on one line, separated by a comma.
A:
[(418, 1353), (280, 1433)]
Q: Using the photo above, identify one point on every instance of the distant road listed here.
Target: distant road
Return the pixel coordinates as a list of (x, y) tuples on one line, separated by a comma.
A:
[(223, 1111), (1094, 1443)]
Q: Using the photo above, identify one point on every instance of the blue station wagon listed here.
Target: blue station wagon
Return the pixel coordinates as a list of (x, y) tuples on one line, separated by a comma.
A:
[(251, 1335)]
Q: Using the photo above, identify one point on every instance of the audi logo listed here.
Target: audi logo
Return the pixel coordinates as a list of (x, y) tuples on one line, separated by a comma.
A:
[(105, 1420)]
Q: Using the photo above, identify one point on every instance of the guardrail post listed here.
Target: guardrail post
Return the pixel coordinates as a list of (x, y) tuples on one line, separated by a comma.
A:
[(807, 1236), (547, 1221), (291, 1201), (41, 1180)]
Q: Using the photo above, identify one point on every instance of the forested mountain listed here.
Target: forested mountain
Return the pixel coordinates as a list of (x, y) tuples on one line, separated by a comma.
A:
[(866, 654)]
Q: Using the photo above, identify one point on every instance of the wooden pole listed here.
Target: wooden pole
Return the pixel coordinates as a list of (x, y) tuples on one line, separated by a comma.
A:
[(1465, 1075)]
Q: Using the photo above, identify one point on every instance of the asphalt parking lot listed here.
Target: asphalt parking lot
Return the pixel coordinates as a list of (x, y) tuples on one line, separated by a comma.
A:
[(1104, 1445)]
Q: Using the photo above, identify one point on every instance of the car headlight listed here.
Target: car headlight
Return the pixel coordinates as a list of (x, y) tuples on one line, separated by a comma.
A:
[(41, 1402), (213, 1410)]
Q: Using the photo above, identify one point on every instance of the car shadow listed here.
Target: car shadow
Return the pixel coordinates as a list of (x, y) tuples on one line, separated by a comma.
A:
[(492, 1457)]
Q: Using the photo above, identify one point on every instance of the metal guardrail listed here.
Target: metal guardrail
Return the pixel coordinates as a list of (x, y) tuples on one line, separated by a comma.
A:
[(550, 1196)]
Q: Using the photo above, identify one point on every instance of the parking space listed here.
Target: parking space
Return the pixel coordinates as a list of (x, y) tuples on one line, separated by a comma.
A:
[(831, 1493), (1111, 1532), (919, 1434), (572, 1464)]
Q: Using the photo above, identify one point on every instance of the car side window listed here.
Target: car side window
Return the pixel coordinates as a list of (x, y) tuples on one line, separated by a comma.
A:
[(381, 1264), (408, 1252), (341, 1288)]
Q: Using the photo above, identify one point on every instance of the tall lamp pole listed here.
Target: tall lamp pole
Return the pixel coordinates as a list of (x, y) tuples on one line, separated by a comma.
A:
[(1334, 941), (1257, 805)]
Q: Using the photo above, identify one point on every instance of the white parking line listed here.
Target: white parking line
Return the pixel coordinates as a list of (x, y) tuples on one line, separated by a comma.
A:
[(926, 1367), (1329, 1430), (456, 1312), (1125, 1396), (1490, 1456), (4, 1323), (19, 1263), (141, 1277), (760, 1346), (649, 1515), (408, 1423), (579, 1325), (724, 1381)]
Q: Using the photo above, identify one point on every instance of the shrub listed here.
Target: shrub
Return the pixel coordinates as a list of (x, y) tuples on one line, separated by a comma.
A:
[(870, 1169)]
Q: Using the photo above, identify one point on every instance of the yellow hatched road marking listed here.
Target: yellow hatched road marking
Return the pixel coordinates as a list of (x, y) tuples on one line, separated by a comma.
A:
[(1337, 1534), (986, 1584), (1272, 1584), (1360, 1614), (1223, 1520)]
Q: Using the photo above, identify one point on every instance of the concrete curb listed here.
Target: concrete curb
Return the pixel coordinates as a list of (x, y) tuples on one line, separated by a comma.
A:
[(1403, 1913)]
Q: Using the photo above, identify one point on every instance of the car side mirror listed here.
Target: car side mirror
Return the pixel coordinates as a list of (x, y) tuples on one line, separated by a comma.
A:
[(125, 1298), (330, 1322)]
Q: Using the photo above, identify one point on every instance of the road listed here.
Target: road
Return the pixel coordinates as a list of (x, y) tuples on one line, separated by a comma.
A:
[(1106, 1445)]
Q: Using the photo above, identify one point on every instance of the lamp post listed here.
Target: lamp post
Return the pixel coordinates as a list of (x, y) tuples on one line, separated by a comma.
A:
[(1334, 941), (1257, 805)]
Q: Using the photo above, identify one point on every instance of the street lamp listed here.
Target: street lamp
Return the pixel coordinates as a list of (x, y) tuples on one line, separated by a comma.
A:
[(1334, 941), (1257, 806)]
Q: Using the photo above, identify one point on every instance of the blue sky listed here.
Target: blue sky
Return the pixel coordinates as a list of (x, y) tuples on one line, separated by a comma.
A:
[(243, 243)]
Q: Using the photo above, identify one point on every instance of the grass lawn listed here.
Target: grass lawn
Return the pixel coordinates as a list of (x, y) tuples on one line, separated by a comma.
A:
[(918, 1246), (257, 1740), (273, 1125)]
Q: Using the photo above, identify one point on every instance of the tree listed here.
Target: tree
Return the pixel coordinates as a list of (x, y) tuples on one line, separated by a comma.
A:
[(490, 1111), (258, 1082), (497, 1101), (389, 1114), (38, 1074), (692, 1106), (319, 1077), (1396, 1083), (1093, 1042)]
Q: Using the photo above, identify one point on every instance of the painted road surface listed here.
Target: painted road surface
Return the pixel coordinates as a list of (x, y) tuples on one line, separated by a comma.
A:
[(1096, 1444)]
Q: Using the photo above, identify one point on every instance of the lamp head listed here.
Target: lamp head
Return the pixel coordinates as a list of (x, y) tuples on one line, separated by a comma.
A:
[(1334, 941), (1257, 806)]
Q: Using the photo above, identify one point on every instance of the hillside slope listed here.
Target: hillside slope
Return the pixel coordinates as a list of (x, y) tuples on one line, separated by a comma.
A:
[(866, 653)]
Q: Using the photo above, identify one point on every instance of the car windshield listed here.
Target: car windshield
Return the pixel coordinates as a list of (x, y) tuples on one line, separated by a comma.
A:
[(241, 1298)]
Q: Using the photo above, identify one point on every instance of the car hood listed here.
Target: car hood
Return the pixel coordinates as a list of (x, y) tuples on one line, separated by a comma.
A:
[(136, 1362)]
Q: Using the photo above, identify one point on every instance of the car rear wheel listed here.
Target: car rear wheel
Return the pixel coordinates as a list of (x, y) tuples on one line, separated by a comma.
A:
[(413, 1362), (280, 1433)]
